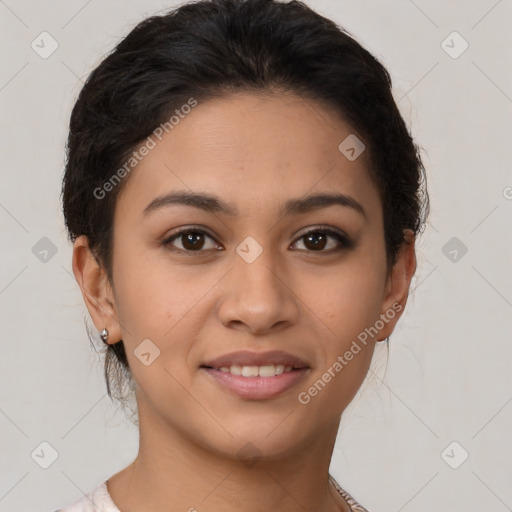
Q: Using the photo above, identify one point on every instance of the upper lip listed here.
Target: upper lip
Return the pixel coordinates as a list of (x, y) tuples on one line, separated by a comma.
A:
[(248, 358)]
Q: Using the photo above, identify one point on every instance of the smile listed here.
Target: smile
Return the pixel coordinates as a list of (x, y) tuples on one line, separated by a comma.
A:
[(269, 370)]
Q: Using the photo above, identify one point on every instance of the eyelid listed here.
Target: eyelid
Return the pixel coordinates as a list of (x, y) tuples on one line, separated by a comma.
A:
[(323, 228), (188, 228)]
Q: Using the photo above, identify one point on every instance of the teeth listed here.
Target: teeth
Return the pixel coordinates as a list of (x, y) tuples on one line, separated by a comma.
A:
[(249, 371), (269, 370)]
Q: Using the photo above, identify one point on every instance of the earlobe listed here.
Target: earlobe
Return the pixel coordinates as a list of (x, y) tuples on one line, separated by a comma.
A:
[(96, 289), (399, 281)]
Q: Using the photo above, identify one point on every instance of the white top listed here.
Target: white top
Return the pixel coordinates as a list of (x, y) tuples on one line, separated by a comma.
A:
[(99, 500)]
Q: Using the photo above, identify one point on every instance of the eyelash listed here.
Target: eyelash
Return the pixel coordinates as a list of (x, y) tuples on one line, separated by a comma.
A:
[(343, 240)]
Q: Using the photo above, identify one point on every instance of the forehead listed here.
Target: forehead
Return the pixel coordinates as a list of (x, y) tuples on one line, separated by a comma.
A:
[(253, 150)]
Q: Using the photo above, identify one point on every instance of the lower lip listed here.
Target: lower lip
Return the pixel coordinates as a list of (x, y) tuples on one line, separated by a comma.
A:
[(257, 388)]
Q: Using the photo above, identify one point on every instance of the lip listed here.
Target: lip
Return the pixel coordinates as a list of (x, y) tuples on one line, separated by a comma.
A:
[(257, 388), (250, 358)]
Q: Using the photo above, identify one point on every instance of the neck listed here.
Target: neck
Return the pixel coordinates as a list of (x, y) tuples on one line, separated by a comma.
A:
[(173, 470)]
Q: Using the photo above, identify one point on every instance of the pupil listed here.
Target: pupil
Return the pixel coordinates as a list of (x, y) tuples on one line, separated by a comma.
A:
[(317, 244), (193, 240)]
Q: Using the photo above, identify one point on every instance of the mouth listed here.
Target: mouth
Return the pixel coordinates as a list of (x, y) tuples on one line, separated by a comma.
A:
[(244, 362), (254, 376), (265, 371)]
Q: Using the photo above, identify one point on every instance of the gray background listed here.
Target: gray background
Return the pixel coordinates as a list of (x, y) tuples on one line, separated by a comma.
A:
[(448, 375)]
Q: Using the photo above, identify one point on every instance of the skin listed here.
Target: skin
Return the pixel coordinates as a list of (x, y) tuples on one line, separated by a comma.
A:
[(256, 152)]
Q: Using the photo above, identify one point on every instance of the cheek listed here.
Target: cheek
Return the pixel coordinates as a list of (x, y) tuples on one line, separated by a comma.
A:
[(151, 295), (351, 299), (153, 306), (161, 302), (350, 303)]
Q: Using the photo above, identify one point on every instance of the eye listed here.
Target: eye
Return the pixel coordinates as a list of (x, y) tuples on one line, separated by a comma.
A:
[(190, 239), (317, 239), (193, 240)]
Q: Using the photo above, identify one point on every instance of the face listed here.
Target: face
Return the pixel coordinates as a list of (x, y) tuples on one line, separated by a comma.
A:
[(257, 266)]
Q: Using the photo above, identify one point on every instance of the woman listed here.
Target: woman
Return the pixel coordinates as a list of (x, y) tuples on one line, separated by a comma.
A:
[(244, 199)]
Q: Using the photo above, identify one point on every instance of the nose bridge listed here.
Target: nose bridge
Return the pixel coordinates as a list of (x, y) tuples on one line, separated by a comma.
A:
[(256, 268), (257, 295)]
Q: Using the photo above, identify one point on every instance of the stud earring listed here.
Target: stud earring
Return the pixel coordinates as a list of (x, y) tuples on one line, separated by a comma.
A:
[(104, 335)]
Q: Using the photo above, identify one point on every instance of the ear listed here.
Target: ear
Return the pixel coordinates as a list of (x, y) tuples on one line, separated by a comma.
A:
[(397, 286), (96, 289)]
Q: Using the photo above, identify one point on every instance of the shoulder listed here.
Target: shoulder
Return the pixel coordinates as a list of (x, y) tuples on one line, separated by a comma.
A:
[(97, 500)]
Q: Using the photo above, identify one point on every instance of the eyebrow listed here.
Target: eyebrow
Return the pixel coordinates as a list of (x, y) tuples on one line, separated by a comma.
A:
[(213, 204)]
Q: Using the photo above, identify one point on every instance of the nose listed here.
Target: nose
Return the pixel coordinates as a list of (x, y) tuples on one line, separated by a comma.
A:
[(258, 297)]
